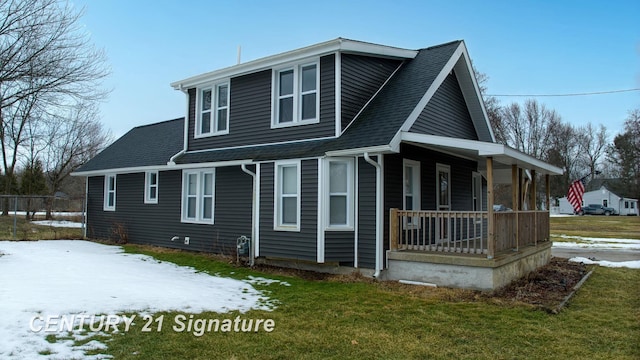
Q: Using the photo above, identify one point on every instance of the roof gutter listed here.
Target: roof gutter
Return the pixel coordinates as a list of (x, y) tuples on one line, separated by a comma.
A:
[(379, 219)]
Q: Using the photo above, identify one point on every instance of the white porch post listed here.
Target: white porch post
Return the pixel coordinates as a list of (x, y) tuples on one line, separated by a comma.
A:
[(491, 241)]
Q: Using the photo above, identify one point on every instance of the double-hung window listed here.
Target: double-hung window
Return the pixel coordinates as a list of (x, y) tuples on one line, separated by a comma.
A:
[(198, 196), (287, 196), (340, 193), (151, 187), (109, 193), (296, 95), (213, 110)]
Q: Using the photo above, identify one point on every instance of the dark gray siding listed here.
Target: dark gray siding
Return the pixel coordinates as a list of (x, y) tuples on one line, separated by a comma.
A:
[(362, 76), (461, 180), (156, 224), (366, 215), (446, 114), (338, 246), (284, 244), (250, 112)]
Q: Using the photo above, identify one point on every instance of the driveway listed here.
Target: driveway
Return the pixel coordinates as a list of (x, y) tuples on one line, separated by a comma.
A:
[(614, 255)]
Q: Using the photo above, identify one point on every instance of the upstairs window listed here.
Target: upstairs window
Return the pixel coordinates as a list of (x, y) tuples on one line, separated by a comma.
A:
[(109, 193), (213, 110), (151, 187), (296, 95)]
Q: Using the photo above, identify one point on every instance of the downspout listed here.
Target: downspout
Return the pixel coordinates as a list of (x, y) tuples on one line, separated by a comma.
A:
[(253, 215), (379, 220), (172, 160)]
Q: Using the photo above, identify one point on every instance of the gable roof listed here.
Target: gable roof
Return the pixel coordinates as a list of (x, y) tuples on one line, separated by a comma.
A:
[(616, 186), (143, 146), (380, 127)]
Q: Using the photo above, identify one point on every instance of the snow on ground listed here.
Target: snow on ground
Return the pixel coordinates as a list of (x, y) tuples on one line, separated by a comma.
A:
[(591, 242), (628, 264), (600, 243), (58, 223), (64, 277)]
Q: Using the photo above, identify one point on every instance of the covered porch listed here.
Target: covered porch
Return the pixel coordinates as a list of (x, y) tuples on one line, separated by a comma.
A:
[(486, 248)]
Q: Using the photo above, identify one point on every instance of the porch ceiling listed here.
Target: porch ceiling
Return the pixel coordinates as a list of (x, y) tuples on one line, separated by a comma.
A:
[(503, 156)]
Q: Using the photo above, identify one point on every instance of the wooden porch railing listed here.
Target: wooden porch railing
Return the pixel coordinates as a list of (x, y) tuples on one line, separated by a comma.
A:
[(466, 232)]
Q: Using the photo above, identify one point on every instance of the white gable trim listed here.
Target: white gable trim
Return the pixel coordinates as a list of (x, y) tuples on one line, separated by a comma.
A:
[(325, 48), (460, 63)]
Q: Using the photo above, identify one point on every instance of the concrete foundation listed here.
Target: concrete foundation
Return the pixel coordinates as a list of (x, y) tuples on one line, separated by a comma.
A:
[(466, 271)]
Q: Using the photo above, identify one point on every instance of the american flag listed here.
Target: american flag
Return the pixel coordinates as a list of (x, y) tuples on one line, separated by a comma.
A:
[(576, 190)]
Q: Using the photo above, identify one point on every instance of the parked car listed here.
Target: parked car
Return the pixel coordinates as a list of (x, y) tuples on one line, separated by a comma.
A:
[(596, 209), (500, 207)]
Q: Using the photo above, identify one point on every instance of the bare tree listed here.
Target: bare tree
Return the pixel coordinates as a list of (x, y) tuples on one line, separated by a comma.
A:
[(529, 128), (75, 138), (562, 151), (593, 145), (46, 61), (625, 153)]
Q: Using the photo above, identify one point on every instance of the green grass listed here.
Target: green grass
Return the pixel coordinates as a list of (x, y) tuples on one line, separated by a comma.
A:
[(354, 318), (27, 231), (624, 227)]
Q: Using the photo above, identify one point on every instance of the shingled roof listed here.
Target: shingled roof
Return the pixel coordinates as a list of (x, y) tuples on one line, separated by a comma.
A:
[(376, 125), (148, 145)]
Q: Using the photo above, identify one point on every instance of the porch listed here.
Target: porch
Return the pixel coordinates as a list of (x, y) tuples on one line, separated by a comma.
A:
[(484, 249)]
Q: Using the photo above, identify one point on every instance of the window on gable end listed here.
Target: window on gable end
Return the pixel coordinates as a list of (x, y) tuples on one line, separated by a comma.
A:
[(212, 117), (296, 95)]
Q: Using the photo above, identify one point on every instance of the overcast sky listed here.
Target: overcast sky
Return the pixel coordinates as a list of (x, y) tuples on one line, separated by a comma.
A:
[(525, 47)]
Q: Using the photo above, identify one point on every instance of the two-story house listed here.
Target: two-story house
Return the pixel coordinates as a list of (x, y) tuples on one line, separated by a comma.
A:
[(341, 154)]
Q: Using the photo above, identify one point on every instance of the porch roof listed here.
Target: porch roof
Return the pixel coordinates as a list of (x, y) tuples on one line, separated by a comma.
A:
[(503, 155)]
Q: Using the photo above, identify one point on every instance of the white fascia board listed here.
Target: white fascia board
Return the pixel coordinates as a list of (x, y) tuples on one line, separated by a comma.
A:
[(137, 169), (484, 149), (323, 48), (126, 170), (476, 88), (360, 151)]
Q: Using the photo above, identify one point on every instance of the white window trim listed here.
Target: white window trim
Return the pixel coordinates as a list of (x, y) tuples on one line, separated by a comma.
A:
[(349, 226), (417, 202), (199, 196), (147, 187), (297, 95), (213, 111), (476, 191), (106, 206), (277, 201)]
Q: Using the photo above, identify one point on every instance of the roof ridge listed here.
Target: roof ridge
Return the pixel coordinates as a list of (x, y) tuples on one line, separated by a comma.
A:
[(159, 123), (443, 44)]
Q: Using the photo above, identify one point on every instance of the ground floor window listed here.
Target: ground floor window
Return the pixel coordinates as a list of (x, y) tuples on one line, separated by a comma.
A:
[(198, 189), (287, 196), (110, 193), (151, 187), (339, 177)]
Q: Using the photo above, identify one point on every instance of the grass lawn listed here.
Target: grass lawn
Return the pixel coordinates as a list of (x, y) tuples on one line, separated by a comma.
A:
[(25, 230), (353, 318), (622, 227)]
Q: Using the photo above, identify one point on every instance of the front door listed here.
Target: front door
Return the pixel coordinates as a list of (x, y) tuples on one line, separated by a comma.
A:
[(443, 201)]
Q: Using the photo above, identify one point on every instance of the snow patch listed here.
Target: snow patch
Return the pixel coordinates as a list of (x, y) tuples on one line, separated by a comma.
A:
[(67, 277), (58, 223), (613, 264)]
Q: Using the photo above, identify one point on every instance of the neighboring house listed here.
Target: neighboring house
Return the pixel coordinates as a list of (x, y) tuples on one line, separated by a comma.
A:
[(341, 154), (603, 196)]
